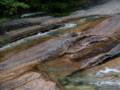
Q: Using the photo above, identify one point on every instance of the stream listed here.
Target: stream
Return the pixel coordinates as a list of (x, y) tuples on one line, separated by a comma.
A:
[(22, 41), (56, 58)]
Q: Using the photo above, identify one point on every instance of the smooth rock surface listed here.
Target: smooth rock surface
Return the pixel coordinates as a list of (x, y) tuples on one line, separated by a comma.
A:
[(29, 81)]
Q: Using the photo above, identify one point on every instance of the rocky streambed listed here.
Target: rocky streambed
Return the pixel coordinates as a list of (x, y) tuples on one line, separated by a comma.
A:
[(73, 53)]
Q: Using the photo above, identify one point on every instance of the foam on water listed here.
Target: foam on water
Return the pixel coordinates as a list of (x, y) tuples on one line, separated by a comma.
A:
[(107, 83), (69, 25), (107, 70), (21, 41)]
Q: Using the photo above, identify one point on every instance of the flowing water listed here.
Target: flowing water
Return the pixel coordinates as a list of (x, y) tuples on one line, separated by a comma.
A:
[(62, 70), (67, 26), (110, 7)]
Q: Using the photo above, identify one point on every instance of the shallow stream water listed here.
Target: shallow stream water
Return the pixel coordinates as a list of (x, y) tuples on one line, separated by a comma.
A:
[(67, 74)]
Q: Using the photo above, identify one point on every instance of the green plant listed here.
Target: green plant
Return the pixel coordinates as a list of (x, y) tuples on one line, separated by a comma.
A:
[(54, 7), (61, 7), (11, 6)]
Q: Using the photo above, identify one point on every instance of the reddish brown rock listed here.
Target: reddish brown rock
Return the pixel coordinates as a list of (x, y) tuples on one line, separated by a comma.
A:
[(31, 81), (81, 50)]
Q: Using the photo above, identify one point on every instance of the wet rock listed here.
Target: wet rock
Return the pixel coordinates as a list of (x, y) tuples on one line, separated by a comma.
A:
[(20, 23), (32, 30), (44, 21), (31, 81), (93, 47), (38, 84), (52, 49), (78, 51), (89, 44), (19, 81), (99, 40), (103, 57)]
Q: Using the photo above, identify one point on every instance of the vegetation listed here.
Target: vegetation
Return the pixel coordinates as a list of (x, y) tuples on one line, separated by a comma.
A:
[(54, 7), (10, 7)]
